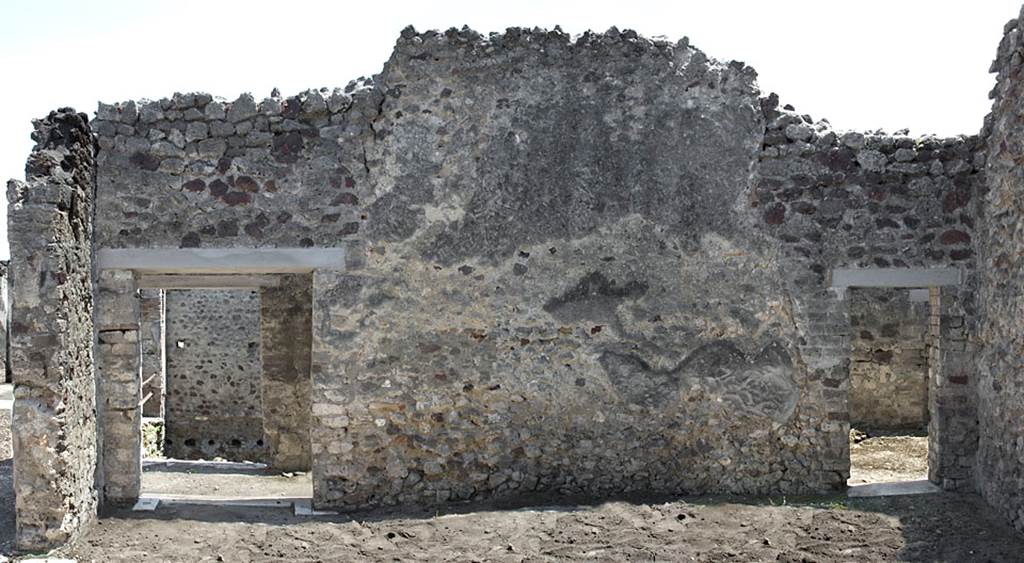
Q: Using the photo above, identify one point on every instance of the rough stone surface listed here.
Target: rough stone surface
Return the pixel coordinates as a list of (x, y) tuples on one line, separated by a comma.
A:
[(564, 289), (119, 393), (293, 176), (286, 344), (1000, 465), (846, 201), (582, 266), (50, 226), (214, 405), (555, 245), (952, 391), (5, 307), (889, 373), (837, 206)]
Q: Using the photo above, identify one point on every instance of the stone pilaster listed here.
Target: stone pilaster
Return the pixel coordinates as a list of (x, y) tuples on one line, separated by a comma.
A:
[(953, 427), (285, 328), (119, 365)]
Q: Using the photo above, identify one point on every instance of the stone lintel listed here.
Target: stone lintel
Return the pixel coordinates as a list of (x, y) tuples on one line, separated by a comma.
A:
[(895, 277), (221, 260), (207, 281)]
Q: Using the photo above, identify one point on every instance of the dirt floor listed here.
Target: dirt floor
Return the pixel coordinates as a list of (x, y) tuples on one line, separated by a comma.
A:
[(222, 480), (884, 457), (940, 527)]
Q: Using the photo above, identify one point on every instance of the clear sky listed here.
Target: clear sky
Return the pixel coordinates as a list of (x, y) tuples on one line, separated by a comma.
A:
[(864, 64)]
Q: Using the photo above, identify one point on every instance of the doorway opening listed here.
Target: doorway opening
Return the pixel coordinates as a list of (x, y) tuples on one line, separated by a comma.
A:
[(226, 390), (889, 384)]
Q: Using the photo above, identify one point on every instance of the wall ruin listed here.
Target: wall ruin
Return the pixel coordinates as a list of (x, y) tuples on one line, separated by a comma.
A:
[(594, 266), (5, 321), (594, 290), (1000, 467), (55, 439)]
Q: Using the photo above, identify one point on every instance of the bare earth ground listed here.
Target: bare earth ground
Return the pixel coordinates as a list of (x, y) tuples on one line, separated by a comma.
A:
[(235, 480), (942, 527), (885, 458)]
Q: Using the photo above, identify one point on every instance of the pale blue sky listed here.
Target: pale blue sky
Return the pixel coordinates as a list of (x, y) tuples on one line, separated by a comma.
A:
[(868, 64)]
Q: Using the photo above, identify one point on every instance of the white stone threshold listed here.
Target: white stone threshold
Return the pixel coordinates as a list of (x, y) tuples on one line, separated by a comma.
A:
[(301, 506), (896, 488), (241, 465), (152, 501)]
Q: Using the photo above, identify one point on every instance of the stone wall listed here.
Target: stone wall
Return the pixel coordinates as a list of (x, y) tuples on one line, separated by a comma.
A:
[(214, 403), (564, 290), (55, 439), (554, 245), (119, 378), (5, 321), (889, 373), (867, 200), (952, 390), (286, 331), (1000, 361), (882, 201), (191, 171), (595, 265)]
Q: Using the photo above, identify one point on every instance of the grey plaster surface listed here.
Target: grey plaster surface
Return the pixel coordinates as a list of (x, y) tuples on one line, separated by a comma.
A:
[(895, 277), (221, 260)]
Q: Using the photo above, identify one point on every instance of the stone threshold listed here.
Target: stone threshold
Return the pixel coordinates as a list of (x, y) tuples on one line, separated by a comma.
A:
[(300, 506), (895, 488)]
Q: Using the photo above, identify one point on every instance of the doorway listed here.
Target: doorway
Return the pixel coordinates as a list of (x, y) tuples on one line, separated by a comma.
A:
[(234, 409), (889, 374)]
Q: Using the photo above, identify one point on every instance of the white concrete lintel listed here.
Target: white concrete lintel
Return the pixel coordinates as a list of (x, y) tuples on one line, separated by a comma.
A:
[(207, 281), (895, 277), (221, 260)]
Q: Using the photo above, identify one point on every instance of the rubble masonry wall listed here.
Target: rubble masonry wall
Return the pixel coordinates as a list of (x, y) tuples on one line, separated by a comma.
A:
[(1000, 363), (50, 226), (593, 265), (214, 403)]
